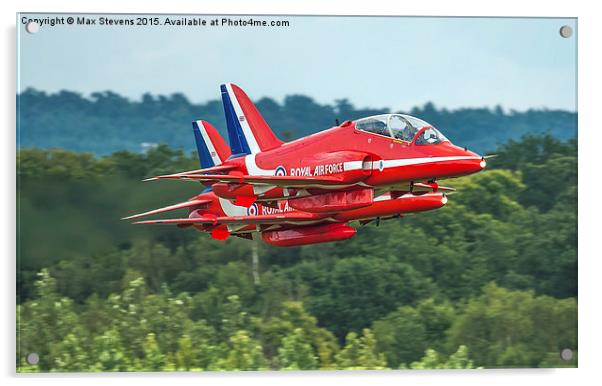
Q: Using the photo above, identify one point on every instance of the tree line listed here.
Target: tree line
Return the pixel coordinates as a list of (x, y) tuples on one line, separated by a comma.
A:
[(106, 122)]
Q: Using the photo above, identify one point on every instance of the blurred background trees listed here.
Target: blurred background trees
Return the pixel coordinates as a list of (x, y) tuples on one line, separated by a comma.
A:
[(490, 280), (105, 121)]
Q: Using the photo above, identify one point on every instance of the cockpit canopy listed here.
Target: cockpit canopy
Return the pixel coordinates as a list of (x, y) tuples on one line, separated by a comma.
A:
[(402, 127)]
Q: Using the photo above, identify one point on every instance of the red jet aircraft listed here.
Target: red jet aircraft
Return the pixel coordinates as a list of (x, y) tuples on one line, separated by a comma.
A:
[(306, 191)]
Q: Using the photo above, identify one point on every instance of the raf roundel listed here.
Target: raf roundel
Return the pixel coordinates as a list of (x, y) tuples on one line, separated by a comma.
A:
[(280, 171), (252, 210)]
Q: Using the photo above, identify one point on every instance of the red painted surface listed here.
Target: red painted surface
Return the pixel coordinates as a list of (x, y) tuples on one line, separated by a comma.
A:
[(231, 191), (220, 234), (222, 149), (245, 201), (334, 201), (407, 203), (309, 235), (265, 137)]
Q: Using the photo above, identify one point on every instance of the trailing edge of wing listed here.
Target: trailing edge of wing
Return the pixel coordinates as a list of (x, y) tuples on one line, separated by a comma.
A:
[(283, 181), (181, 205), (213, 169), (242, 220)]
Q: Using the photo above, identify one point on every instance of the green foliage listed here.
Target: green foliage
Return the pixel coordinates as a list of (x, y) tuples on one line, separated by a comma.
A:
[(296, 352), (495, 193), (360, 353), (109, 352), (550, 166), (66, 198), (244, 354), (490, 280), (294, 319), (433, 360), (185, 355), (44, 324), (401, 336), (506, 328), (436, 318), (342, 291), (153, 359)]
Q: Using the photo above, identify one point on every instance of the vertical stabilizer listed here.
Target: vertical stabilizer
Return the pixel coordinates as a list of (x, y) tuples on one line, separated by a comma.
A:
[(247, 130), (211, 147)]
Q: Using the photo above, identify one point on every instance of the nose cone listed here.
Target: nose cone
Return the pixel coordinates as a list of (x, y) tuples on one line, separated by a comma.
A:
[(451, 161), (478, 162), (469, 162), (479, 159)]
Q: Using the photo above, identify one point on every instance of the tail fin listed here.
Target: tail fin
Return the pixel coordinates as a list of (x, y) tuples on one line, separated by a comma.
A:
[(247, 130), (211, 146)]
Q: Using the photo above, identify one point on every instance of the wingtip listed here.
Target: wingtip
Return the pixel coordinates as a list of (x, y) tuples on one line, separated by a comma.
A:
[(133, 216), (144, 222)]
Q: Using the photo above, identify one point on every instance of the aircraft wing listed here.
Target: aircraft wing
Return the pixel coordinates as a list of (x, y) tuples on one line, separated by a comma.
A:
[(281, 181), (213, 169), (277, 218), (181, 205)]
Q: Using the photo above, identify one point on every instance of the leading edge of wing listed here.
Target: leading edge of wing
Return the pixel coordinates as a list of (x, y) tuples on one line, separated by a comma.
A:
[(283, 181), (259, 219), (181, 205), (218, 168)]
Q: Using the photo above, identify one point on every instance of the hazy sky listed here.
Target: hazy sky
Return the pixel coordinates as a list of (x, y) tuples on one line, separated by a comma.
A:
[(373, 61)]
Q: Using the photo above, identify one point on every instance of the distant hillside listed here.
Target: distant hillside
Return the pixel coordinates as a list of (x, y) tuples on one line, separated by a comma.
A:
[(107, 122)]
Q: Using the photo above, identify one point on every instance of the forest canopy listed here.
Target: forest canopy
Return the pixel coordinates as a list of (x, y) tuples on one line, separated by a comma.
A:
[(490, 280)]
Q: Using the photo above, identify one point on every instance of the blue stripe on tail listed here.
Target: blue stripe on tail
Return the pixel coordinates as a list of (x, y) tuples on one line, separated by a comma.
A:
[(238, 142), (201, 146)]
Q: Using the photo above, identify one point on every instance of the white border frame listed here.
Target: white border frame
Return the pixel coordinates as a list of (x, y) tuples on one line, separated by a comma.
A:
[(590, 129)]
